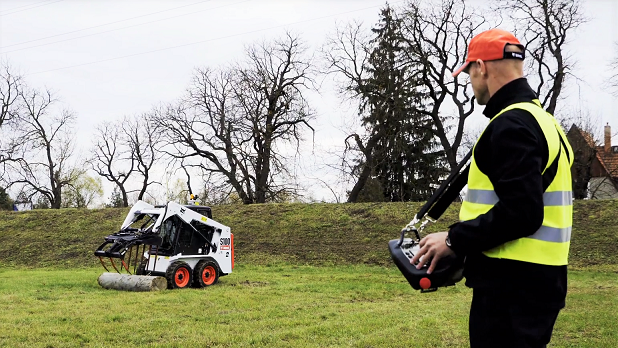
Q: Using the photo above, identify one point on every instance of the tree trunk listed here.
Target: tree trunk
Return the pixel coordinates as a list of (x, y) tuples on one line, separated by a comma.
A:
[(263, 171), (362, 180), (125, 199), (145, 186), (57, 201), (557, 88), (128, 282), (367, 166)]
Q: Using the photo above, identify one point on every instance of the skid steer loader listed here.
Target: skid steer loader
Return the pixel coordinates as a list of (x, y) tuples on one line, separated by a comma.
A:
[(179, 242)]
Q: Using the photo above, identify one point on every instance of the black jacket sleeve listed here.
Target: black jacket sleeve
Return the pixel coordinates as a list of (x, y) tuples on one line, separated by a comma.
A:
[(512, 152)]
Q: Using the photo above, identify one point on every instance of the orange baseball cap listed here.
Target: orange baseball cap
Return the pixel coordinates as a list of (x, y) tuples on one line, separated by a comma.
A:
[(490, 45)]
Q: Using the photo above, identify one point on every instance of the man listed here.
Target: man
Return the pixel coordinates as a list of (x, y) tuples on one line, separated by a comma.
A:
[(515, 222)]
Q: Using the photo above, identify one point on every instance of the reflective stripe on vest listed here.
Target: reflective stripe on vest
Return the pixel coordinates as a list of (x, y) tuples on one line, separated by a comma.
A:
[(549, 198), (549, 245)]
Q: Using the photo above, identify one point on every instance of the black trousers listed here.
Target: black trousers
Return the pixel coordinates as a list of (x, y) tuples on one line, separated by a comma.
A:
[(500, 320)]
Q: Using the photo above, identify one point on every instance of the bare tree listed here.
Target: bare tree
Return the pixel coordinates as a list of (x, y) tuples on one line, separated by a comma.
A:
[(208, 129), (233, 120), (438, 34), (270, 96), (11, 86), (184, 169), (545, 26), (366, 148), (210, 190), (143, 140), (112, 158), (46, 148), (346, 54)]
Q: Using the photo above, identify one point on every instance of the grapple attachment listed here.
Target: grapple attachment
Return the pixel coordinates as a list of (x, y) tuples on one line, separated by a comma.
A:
[(131, 247)]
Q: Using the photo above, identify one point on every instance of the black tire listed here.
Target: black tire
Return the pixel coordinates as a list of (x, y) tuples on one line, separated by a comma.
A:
[(141, 269), (178, 275), (206, 274)]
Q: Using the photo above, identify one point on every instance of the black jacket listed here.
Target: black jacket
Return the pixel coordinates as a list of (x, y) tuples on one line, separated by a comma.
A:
[(512, 152)]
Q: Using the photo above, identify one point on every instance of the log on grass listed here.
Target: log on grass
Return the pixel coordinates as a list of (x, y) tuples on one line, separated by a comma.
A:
[(132, 282)]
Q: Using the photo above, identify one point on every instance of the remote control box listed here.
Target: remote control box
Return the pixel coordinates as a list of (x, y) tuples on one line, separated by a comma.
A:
[(448, 271)]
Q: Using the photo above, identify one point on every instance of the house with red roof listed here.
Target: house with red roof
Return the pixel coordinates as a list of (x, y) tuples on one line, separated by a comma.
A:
[(595, 167)]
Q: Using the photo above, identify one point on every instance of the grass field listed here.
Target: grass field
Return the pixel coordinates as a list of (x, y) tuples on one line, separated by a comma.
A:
[(273, 305), (307, 275)]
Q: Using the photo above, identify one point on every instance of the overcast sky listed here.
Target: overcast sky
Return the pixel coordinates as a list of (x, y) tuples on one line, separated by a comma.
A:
[(108, 59)]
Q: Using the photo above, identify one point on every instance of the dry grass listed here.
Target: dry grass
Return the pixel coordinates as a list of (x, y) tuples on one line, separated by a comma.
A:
[(325, 234)]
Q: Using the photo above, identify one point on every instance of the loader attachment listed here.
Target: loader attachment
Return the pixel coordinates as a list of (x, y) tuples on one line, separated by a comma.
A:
[(131, 246), (131, 249)]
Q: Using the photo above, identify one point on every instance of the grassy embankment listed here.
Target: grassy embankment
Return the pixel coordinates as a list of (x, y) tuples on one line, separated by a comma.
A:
[(314, 234), (306, 276)]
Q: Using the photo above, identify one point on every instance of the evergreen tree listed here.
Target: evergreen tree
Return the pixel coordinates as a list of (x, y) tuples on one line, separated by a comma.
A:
[(6, 203), (405, 159), (115, 200)]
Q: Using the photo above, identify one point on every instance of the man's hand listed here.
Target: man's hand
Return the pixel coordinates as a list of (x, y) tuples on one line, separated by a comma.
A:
[(433, 247)]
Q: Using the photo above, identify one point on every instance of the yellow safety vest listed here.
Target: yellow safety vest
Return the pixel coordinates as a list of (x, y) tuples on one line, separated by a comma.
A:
[(549, 245)]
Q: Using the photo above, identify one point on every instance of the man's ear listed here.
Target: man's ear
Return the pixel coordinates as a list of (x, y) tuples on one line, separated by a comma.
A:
[(482, 68)]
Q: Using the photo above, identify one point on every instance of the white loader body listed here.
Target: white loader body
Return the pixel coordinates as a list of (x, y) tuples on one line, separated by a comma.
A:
[(222, 237), (179, 242)]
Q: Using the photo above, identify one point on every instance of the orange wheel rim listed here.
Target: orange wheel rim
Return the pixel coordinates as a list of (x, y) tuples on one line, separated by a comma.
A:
[(208, 275), (182, 277)]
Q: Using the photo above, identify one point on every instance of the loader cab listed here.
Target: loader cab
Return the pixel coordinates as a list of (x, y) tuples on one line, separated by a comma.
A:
[(179, 237), (144, 222), (201, 209)]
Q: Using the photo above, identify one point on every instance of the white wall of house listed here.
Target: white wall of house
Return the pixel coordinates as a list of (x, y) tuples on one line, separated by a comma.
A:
[(601, 188)]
